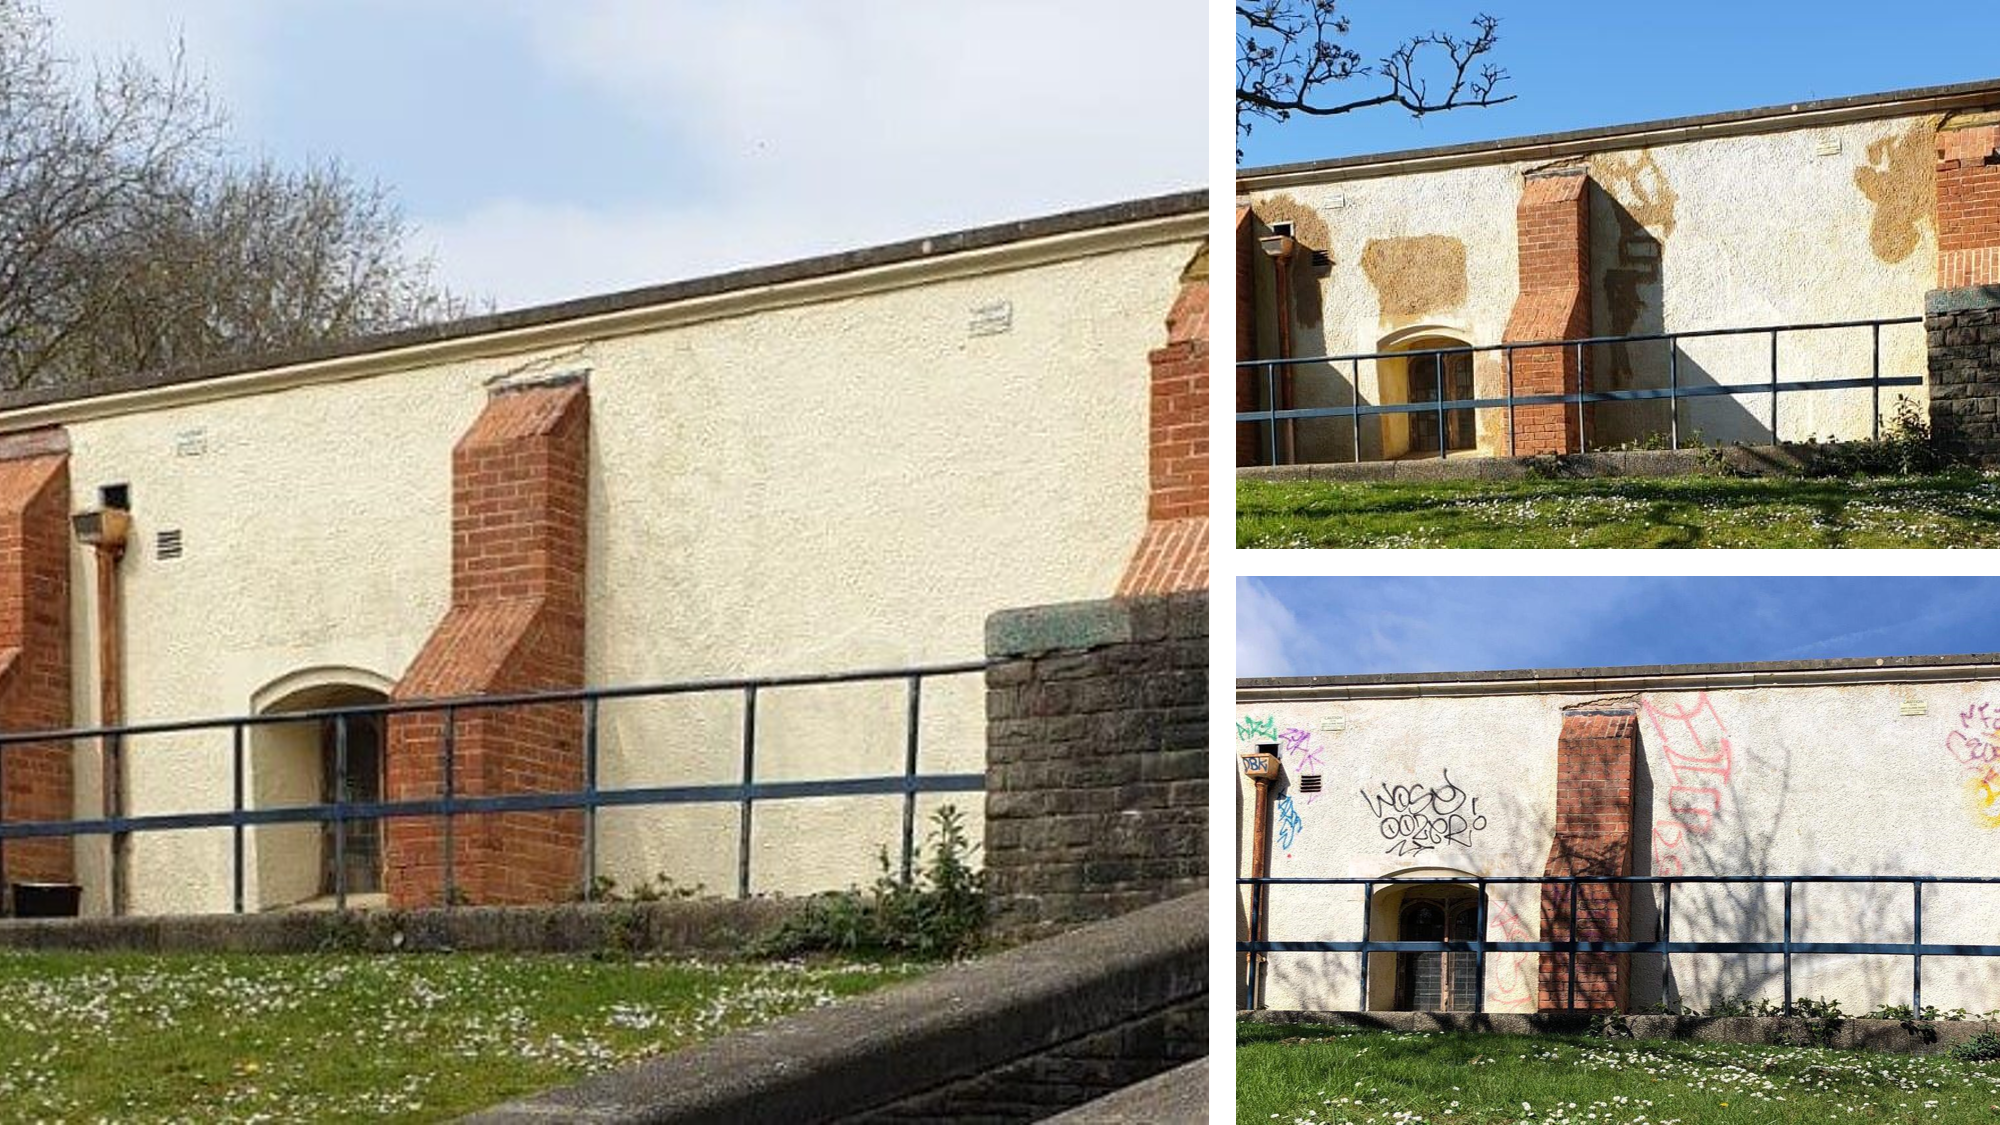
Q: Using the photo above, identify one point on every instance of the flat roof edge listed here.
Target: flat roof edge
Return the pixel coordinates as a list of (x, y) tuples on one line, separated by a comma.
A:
[(1560, 679), (1893, 103), (804, 269)]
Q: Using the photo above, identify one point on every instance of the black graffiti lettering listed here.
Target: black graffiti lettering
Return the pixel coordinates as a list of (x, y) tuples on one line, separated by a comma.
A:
[(1417, 818)]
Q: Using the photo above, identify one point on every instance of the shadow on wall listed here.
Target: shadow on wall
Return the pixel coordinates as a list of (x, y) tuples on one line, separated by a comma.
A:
[(1629, 303)]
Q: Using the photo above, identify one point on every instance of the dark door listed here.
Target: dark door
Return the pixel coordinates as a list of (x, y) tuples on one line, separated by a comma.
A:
[(1441, 378), (363, 853), (1437, 982)]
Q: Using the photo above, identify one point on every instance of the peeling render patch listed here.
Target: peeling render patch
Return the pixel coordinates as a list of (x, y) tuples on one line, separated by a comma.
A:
[(1641, 205), (1415, 278), (1899, 184), (1311, 231)]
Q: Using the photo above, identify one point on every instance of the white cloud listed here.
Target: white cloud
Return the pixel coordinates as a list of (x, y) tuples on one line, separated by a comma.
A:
[(1269, 638)]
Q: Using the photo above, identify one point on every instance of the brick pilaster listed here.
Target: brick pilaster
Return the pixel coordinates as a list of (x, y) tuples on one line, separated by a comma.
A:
[(35, 647), (1552, 224), (1962, 316), (1173, 553), (1595, 758), (519, 513)]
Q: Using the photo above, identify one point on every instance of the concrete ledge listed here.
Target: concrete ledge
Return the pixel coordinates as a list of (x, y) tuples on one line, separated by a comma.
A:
[(1080, 626), (718, 926), (1180, 1094), (1908, 1038), (1969, 298), (1738, 460), (900, 1043)]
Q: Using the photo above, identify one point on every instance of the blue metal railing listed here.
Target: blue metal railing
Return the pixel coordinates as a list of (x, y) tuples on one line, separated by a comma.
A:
[(1915, 949), (745, 793), (1673, 392)]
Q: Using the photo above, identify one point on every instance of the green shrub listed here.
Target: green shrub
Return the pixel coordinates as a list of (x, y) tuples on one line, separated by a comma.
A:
[(939, 912), (1983, 1047), (1906, 448)]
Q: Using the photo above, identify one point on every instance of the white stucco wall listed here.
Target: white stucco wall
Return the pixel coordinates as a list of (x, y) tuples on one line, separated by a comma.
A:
[(1827, 223), (817, 484), (1827, 779)]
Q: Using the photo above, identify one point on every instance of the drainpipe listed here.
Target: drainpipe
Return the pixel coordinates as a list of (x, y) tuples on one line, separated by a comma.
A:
[(1262, 768), (1282, 249), (104, 530)]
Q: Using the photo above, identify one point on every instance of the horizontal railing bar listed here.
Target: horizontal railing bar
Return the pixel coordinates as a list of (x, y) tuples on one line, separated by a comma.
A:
[(1643, 337), (469, 702), (1886, 949), (513, 802), (1641, 395), (1468, 880)]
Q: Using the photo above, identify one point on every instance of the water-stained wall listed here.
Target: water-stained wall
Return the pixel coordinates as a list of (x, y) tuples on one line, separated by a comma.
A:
[(1831, 222), (1892, 775)]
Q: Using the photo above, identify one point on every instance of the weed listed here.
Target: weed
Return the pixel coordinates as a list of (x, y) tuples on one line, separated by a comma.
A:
[(939, 912), (1983, 1047)]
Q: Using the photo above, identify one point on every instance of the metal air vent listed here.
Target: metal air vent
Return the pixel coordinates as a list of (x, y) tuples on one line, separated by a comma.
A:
[(167, 544), (1309, 783)]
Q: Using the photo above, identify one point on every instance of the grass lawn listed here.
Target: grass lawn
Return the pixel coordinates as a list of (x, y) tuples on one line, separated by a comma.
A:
[(1959, 509), (420, 1037), (1334, 1075)]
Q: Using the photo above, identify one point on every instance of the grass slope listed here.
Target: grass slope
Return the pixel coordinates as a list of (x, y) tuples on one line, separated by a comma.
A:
[(1296, 1075), (355, 1037), (1959, 509)]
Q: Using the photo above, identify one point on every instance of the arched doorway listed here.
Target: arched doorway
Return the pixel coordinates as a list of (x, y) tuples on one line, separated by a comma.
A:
[(1436, 377), (296, 764)]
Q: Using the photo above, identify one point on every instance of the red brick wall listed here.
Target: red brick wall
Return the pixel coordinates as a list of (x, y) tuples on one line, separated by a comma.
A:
[(1595, 759), (519, 514), (1968, 206), (1552, 223), (1173, 553), (35, 648)]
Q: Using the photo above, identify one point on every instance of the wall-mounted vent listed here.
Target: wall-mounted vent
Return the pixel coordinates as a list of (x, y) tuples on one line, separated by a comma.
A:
[(1282, 228), (1309, 783), (167, 544)]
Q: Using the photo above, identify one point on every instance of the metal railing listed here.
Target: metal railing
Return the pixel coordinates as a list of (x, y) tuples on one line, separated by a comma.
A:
[(450, 804), (1479, 947), (1673, 392)]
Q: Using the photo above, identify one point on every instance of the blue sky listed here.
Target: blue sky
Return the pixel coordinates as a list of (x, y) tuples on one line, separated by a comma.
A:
[(1355, 626), (552, 150), (1577, 65)]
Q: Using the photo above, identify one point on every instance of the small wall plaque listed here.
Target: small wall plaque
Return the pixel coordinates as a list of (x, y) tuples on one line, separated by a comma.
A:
[(993, 319)]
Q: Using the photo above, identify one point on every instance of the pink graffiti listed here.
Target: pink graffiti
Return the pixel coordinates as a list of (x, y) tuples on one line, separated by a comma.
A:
[(1301, 755), (1975, 746), (1695, 745), (1514, 978)]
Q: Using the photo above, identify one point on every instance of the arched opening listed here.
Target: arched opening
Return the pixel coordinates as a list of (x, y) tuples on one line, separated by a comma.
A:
[(1424, 982), (1443, 377), (297, 764)]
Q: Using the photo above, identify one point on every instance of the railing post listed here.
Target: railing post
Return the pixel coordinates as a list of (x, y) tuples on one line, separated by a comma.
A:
[(448, 747), (236, 824), (1788, 947), (912, 722), (749, 773), (1367, 925), (1673, 394), (1271, 405), (1875, 375), (1354, 404), (1774, 386), (1507, 355), (1437, 368), (1582, 441), (1572, 943), (340, 812), (1666, 931), (1479, 954), (1917, 951), (590, 792), (1250, 970)]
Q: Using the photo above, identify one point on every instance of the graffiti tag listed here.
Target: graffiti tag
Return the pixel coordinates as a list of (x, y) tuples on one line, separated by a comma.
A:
[(1301, 755), (1251, 727), (1698, 754), (1289, 824), (1975, 746), (1417, 818), (1514, 977)]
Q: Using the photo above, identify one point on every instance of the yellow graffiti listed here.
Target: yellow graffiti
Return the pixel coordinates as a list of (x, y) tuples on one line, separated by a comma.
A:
[(1983, 797)]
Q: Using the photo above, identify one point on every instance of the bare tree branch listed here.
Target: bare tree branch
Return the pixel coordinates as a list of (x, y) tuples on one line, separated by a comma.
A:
[(1289, 57)]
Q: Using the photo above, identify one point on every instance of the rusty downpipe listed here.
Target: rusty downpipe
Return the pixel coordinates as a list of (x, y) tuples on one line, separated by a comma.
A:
[(104, 530), (1261, 768)]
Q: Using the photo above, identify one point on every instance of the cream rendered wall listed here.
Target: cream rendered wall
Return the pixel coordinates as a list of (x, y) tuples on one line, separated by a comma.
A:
[(1820, 780), (826, 486), (1818, 224)]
